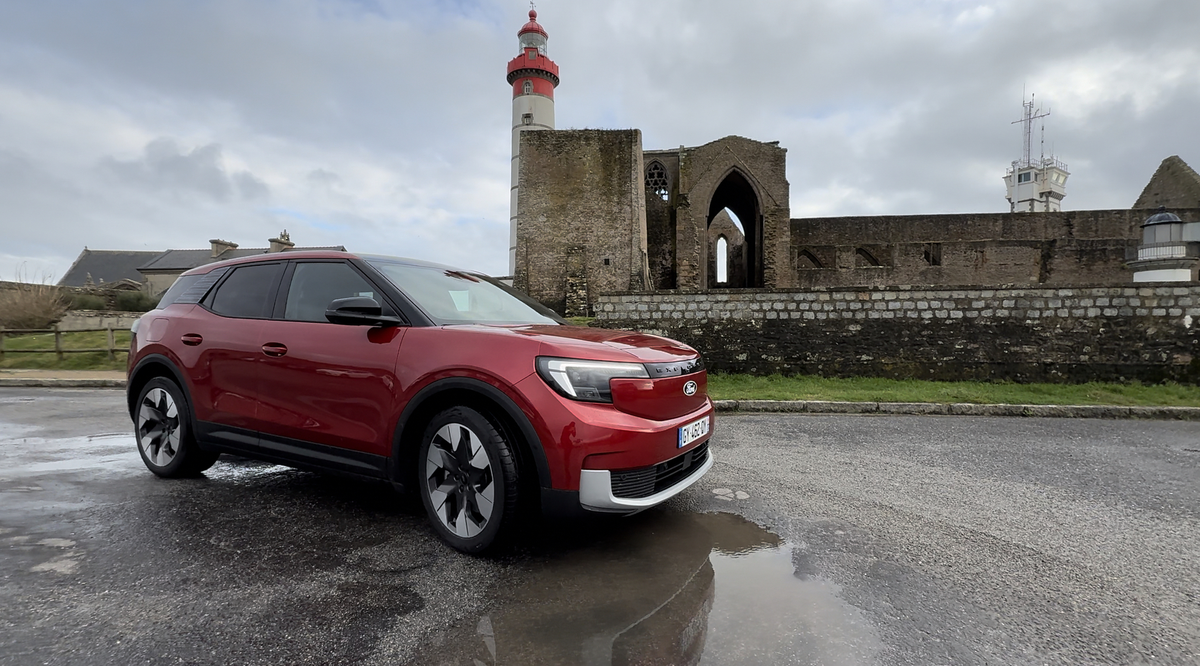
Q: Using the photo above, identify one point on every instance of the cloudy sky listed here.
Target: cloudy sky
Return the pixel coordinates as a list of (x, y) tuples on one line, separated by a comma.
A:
[(383, 125)]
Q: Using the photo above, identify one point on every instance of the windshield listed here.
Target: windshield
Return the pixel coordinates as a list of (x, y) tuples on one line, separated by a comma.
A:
[(449, 296)]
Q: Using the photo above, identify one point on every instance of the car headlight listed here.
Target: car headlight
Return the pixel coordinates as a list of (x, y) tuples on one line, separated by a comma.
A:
[(585, 380)]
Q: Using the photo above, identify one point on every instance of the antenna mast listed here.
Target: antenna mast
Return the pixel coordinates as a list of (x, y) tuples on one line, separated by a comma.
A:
[(1030, 115)]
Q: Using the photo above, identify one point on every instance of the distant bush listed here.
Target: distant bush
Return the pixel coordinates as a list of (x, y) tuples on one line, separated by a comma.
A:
[(87, 302), (135, 301), (31, 305)]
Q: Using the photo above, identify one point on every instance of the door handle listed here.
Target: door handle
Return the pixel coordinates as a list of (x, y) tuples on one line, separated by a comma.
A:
[(191, 339), (274, 349)]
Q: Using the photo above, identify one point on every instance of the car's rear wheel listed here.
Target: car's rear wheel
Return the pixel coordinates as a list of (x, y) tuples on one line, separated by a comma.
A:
[(163, 428), (468, 480)]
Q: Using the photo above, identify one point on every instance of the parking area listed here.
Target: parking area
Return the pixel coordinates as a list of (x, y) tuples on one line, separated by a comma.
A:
[(815, 539)]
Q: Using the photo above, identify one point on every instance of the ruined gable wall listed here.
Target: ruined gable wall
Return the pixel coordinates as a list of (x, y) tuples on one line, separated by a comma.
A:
[(701, 171), (1174, 185), (581, 214)]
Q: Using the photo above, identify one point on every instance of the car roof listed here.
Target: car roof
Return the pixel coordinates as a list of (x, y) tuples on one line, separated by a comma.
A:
[(317, 254)]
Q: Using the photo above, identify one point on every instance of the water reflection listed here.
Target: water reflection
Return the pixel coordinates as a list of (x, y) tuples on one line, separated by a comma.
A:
[(672, 588)]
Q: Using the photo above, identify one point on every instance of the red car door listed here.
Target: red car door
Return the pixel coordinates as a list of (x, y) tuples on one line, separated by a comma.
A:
[(324, 383), (220, 339)]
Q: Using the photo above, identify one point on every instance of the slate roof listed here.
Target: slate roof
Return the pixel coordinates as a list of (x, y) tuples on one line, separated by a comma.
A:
[(106, 265), (183, 260)]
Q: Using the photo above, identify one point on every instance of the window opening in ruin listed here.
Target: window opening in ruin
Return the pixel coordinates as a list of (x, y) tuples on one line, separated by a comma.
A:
[(933, 254), (656, 180), (722, 260), (529, 87), (866, 258), (808, 260), (736, 195)]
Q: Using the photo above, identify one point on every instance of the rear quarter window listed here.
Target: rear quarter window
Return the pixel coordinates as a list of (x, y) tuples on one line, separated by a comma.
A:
[(247, 292)]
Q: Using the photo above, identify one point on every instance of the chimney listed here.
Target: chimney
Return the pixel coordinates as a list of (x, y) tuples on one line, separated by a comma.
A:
[(220, 247), (284, 242)]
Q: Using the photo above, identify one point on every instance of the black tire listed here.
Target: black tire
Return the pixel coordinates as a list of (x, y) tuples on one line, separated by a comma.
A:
[(162, 425), (467, 480)]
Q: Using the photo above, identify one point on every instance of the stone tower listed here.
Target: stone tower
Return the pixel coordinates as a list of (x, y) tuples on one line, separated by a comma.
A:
[(533, 76)]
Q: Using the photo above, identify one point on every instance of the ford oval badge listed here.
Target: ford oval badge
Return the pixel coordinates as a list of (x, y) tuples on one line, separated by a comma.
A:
[(690, 388)]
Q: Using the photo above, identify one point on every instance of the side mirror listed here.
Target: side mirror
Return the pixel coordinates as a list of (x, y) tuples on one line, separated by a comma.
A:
[(359, 311)]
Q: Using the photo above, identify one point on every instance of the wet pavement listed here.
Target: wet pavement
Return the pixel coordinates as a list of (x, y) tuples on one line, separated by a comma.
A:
[(814, 540)]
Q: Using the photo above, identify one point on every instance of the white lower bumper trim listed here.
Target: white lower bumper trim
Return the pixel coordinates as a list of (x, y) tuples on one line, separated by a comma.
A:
[(595, 491)]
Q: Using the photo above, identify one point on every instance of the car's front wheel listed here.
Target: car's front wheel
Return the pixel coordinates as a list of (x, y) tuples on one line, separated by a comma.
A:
[(163, 429), (468, 480)]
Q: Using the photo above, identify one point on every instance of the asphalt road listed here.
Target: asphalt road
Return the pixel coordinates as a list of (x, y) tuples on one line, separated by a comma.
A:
[(815, 539)]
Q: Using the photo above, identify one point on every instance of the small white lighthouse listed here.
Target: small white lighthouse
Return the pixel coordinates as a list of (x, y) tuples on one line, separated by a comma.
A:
[(533, 76), (1035, 185)]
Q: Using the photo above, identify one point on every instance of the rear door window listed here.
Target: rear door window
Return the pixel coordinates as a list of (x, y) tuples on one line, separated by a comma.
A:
[(247, 292)]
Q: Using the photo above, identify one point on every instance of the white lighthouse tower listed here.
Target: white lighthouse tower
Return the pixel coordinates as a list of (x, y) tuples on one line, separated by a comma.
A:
[(533, 76), (1035, 185)]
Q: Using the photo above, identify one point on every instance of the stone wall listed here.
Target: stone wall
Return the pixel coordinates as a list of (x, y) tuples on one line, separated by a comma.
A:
[(1024, 334), (1075, 248), (581, 202), (83, 320)]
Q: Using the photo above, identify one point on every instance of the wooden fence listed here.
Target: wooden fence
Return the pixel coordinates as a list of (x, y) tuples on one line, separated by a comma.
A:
[(111, 347)]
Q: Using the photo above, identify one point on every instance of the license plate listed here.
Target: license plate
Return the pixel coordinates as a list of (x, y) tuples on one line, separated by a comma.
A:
[(692, 432)]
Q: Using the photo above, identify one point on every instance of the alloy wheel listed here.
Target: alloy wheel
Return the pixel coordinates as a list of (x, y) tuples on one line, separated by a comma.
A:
[(459, 480), (158, 427)]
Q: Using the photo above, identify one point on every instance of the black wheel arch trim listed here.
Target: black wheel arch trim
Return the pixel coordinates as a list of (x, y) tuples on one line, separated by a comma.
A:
[(159, 360), (511, 410)]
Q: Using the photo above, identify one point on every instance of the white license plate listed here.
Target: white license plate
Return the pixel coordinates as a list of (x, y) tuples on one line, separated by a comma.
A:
[(692, 432)]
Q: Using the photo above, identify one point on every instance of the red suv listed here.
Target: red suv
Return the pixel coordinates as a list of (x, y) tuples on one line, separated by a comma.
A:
[(437, 380)]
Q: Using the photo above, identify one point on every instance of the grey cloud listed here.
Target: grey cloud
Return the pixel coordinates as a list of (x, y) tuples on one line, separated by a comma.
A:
[(166, 168)]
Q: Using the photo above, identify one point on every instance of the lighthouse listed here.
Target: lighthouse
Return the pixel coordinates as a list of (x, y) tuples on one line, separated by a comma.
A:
[(533, 77)]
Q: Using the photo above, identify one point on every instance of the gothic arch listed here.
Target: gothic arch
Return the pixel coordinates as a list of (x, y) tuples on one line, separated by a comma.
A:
[(737, 192), (865, 258), (807, 259)]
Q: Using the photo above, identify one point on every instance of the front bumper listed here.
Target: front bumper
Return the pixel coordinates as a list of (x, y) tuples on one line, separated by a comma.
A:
[(596, 488)]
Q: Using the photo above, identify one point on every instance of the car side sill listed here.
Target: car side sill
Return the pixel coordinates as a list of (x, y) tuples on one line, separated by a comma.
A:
[(290, 452)]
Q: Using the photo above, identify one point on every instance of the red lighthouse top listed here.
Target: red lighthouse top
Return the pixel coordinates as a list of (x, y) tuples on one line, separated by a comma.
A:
[(532, 72), (533, 26)]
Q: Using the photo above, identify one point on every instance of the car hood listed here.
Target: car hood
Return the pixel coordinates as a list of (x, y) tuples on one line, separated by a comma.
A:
[(604, 344)]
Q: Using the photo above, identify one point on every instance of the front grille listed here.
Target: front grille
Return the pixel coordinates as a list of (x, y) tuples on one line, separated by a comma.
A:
[(637, 483)]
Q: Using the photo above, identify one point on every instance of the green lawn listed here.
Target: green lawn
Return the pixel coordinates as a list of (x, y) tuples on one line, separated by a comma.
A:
[(865, 389), (75, 361)]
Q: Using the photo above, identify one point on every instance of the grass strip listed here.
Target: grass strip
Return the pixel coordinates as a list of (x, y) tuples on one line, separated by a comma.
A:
[(870, 389)]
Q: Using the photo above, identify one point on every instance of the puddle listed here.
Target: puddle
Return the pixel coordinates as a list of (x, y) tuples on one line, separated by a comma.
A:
[(665, 589), (41, 455)]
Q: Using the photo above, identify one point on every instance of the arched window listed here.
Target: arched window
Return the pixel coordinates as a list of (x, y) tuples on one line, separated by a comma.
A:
[(808, 260), (722, 260), (656, 180), (864, 258), (528, 87)]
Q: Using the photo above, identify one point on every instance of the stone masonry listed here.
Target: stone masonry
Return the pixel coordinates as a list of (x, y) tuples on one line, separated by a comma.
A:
[(1024, 334), (581, 221)]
